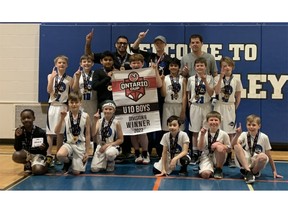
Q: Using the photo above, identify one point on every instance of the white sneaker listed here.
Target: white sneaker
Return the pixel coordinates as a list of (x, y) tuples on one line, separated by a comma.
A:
[(146, 160), (139, 159), (110, 166)]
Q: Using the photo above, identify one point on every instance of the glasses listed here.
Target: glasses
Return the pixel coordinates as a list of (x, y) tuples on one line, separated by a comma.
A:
[(122, 43)]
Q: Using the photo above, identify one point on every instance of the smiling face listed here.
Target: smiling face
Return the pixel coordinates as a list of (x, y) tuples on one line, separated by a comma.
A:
[(27, 119)]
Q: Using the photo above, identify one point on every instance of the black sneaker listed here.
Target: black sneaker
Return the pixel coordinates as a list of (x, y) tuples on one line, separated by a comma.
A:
[(50, 161), (249, 177), (66, 166), (28, 168), (194, 158), (183, 171), (218, 173)]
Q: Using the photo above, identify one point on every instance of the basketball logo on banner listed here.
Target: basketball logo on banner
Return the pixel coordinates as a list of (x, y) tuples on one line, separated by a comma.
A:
[(134, 86)]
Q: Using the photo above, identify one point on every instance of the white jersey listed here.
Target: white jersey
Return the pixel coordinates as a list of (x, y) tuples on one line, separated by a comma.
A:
[(64, 90), (263, 143), (235, 86), (69, 136), (202, 97), (112, 131), (170, 95), (222, 137)]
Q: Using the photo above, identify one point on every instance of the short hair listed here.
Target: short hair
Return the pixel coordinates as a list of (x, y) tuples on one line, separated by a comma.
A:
[(253, 118), (86, 57), (200, 60), (65, 58), (75, 96), (136, 57), (213, 114), (228, 60), (121, 36), (28, 110), (107, 53), (196, 36), (173, 118), (175, 61)]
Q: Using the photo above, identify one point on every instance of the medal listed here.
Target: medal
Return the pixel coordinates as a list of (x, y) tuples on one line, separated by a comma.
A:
[(175, 96), (122, 68), (109, 88), (196, 97), (56, 95), (75, 138)]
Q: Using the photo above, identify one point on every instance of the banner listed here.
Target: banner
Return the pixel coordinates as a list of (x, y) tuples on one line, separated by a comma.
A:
[(135, 95)]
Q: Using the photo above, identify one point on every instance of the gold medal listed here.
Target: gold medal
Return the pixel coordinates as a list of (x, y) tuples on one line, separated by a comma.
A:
[(122, 68), (75, 138), (109, 88)]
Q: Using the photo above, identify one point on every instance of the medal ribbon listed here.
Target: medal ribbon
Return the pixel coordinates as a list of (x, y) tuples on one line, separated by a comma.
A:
[(75, 127), (86, 79), (211, 141), (105, 130), (58, 85), (252, 148), (28, 139), (173, 144)]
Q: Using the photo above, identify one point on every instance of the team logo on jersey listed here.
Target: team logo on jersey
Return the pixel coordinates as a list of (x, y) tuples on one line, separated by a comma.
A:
[(134, 86)]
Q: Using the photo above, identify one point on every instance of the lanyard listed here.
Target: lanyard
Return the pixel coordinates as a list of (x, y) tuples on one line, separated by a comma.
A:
[(173, 144), (75, 126), (27, 138), (86, 80), (58, 85), (105, 129), (211, 141), (252, 148)]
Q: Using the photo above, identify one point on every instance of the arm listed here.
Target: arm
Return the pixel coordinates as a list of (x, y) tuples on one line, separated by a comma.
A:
[(18, 139), (201, 142), (76, 78), (237, 99), (184, 100), (139, 39), (50, 87), (236, 136), (217, 87), (163, 88), (164, 162), (99, 80), (159, 82), (182, 154), (89, 38)]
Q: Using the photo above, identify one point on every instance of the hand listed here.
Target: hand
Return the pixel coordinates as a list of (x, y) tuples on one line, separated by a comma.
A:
[(77, 74), (85, 158), (18, 131), (143, 34), (162, 174), (239, 129), (63, 114), (96, 116), (42, 146), (90, 36)]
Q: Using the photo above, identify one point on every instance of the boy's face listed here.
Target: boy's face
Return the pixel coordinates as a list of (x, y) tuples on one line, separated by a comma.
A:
[(74, 105), (61, 64), (226, 68), (173, 127), (107, 62), (174, 69), (214, 123), (253, 127), (200, 68), (27, 119), (86, 64), (136, 64)]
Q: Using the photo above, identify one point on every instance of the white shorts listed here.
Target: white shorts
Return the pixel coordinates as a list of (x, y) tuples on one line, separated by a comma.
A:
[(170, 109), (99, 160), (207, 162), (198, 114), (228, 115), (53, 117), (250, 160), (76, 153)]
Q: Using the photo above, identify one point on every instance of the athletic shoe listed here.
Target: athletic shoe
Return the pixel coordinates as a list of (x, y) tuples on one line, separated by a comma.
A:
[(139, 160), (194, 158), (231, 163), (218, 173), (146, 160), (249, 177), (183, 171), (50, 161), (66, 166), (110, 166), (258, 174), (28, 168), (57, 162)]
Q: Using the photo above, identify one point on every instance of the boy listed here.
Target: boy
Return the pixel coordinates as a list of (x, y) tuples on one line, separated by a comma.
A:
[(82, 82), (58, 87), (174, 92), (175, 149), (109, 138), (31, 145), (214, 144), (199, 89), (252, 150), (228, 90), (76, 123), (137, 62)]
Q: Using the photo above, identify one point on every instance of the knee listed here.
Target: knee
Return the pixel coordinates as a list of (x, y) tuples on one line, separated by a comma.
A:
[(262, 158), (95, 169)]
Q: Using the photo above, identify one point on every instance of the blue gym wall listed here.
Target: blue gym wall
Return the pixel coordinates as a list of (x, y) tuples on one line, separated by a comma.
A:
[(260, 51)]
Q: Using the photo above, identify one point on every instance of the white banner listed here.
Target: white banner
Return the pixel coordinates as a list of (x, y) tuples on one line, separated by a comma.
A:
[(135, 95)]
